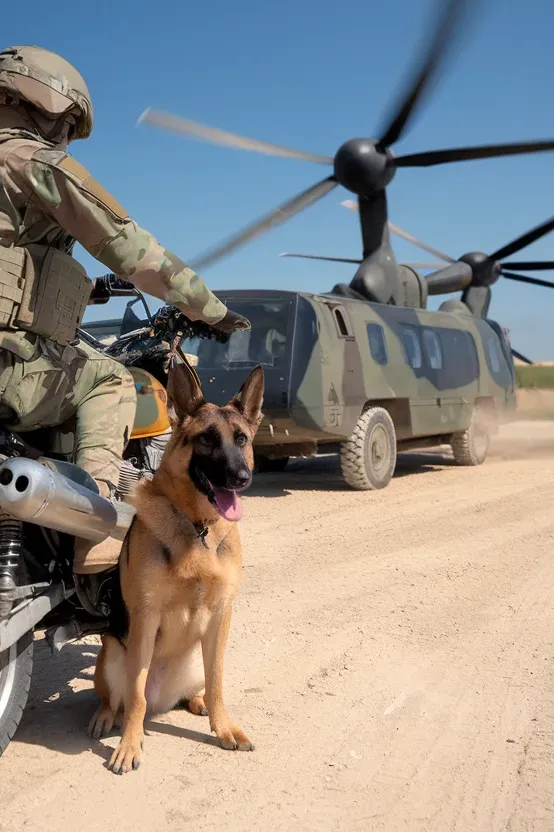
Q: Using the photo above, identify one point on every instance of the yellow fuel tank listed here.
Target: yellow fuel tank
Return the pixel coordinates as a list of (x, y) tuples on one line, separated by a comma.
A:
[(151, 417)]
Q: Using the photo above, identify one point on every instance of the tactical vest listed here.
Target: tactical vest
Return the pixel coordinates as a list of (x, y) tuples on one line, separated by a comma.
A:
[(43, 289)]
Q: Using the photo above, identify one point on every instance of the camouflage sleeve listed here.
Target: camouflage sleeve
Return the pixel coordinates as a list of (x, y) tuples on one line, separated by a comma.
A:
[(64, 190)]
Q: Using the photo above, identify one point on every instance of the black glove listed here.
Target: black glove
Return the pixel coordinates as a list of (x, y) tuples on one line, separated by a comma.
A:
[(232, 322)]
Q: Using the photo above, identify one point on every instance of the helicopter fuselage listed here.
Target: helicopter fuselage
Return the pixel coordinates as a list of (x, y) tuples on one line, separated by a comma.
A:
[(327, 358)]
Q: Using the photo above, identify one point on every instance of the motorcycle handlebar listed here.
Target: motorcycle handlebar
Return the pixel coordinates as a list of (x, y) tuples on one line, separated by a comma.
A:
[(111, 286), (168, 317)]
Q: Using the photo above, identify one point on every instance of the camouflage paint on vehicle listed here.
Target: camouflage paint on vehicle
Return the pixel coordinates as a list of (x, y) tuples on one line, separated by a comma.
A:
[(428, 369)]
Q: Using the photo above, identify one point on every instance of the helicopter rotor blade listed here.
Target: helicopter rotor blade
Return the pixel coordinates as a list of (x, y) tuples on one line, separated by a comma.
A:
[(531, 265), (433, 266), (524, 240), (521, 357), (439, 44), (521, 278), (321, 257), (411, 239), (352, 205), (465, 154), (279, 215), (193, 130)]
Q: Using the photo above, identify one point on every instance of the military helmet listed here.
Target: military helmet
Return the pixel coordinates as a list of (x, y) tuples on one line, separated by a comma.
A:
[(49, 83)]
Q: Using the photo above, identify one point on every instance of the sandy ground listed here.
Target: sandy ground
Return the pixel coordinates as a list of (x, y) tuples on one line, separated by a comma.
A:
[(391, 656), (535, 403)]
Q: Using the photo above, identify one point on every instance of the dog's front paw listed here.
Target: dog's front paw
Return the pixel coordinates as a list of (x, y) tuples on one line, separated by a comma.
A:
[(101, 723), (126, 756), (233, 739)]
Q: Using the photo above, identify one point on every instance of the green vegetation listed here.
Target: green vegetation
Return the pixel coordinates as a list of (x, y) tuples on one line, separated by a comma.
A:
[(537, 377)]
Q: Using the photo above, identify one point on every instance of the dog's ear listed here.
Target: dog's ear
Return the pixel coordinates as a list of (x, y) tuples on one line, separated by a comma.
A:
[(248, 400), (184, 392)]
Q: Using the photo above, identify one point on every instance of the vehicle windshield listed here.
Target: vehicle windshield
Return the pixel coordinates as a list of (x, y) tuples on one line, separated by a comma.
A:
[(265, 343)]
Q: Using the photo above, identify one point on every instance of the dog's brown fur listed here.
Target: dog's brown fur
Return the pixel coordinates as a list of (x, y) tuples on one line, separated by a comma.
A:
[(178, 594)]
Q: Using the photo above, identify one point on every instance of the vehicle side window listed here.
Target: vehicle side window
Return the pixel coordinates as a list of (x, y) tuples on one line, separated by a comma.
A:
[(342, 322), (460, 360), (503, 368), (412, 348), (433, 349), (497, 356), (494, 358), (377, 343)]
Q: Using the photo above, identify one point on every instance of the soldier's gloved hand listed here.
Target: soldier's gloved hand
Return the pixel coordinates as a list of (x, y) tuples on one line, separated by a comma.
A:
[(232, 322)]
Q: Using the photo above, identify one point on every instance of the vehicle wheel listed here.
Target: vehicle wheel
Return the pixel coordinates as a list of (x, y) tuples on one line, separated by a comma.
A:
[(16, 665), (368, 458), (471, 446), (271, 466)]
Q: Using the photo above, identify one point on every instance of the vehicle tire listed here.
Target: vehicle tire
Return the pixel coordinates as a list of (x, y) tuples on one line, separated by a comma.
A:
[(16, 665), (272, 466), (368, 458), (471, 446)]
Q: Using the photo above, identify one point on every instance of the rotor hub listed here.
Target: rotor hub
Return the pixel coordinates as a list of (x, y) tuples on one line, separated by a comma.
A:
[(361, 166), (485, 271)]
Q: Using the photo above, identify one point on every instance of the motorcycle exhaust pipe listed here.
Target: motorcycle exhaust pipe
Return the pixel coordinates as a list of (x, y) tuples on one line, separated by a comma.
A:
[(35, 494)]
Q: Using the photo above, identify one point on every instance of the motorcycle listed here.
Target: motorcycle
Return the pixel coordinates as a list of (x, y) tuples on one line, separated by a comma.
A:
[(46, 500)]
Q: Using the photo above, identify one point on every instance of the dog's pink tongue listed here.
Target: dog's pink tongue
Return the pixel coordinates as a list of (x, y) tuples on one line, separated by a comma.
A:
[(228, 504)]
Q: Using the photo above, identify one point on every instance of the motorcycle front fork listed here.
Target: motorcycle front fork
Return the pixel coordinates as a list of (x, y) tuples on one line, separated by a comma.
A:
[(11, 537)]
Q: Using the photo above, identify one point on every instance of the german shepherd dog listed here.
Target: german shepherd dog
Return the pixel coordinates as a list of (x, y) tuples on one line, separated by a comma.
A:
[(179, 569)]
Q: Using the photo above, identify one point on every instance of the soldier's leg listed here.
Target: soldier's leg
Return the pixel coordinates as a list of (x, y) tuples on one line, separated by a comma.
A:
[(106, 402), (104, 399), (57, 384), (7, 414), (35, 384)]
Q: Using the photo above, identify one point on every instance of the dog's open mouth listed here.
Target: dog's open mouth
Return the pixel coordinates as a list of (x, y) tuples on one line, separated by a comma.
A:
[(226, 502)]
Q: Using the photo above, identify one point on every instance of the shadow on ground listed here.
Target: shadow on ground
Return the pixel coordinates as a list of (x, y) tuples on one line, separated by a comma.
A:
[(61, 704), (323, 473)]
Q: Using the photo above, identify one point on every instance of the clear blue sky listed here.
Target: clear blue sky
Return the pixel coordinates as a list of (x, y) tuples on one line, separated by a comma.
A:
[(310, 74)]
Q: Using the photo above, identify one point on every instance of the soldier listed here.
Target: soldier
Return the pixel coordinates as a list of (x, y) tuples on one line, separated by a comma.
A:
[(47, 202)]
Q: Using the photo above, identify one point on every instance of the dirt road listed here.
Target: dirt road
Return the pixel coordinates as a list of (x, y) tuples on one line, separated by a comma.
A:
[(391, 657)]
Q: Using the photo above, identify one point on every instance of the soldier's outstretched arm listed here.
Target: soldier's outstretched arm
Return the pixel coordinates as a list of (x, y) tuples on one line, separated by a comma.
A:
[(63, 189)]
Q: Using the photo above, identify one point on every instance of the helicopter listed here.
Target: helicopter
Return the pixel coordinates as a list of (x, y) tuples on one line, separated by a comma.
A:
[(366, 368)]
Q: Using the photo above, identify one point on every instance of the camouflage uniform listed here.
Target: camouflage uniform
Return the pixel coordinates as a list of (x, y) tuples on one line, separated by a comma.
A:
[(47, 202), (75, 388)]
